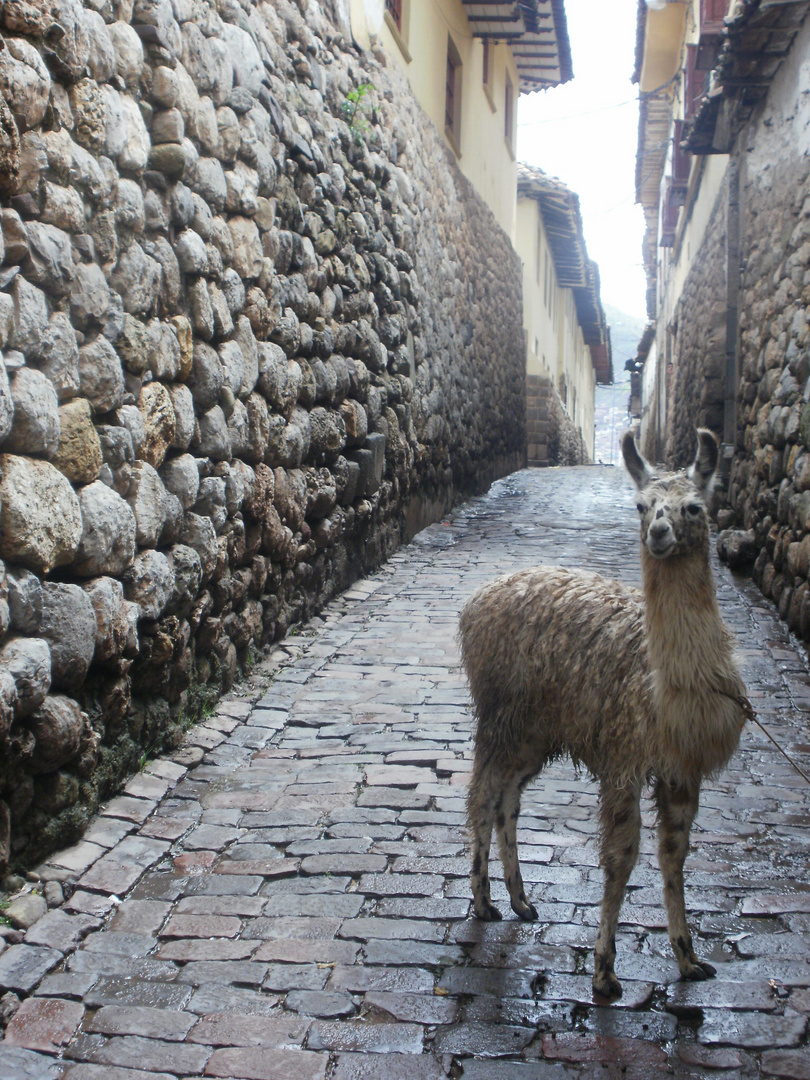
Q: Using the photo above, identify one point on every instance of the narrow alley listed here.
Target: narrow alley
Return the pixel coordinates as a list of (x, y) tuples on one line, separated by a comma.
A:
[(289, 897)]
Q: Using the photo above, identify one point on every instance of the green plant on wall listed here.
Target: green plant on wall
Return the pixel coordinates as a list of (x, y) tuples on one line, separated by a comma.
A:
[(355, 111)]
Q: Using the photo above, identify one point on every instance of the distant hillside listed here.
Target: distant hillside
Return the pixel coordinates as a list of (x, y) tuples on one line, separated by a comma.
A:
[(625, 332)]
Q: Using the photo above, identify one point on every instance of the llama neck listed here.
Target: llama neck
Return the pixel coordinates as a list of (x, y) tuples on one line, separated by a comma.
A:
[(686, 639)]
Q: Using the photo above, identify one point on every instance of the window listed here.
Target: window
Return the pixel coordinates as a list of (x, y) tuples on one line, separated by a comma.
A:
[(712, 14), (695, 82), (509, 115), (539, 254), (488, 73), (394, 9), (452, 97), (397, 18)]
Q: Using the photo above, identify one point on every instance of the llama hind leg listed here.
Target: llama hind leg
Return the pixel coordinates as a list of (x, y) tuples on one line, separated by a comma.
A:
[(621, 831), (483, 804), (677, 807), (506, 820)]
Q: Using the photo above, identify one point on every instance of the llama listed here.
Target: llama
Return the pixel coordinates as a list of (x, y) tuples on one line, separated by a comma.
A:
[(636, 686)]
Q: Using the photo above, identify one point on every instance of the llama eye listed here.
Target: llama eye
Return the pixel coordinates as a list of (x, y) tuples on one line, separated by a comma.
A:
[(642, 509), (694, 509)]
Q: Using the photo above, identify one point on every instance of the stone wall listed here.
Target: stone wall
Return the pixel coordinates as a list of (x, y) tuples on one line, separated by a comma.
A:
[(252, 331), (551, 436), (766, 515), (697, 381), (770, 480)]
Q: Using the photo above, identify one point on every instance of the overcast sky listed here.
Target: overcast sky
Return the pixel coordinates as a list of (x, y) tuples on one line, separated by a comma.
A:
[(585, 133)]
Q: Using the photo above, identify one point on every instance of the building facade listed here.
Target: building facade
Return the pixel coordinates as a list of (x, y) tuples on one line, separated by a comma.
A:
[(567, 338), (724, 179), (467, 63)]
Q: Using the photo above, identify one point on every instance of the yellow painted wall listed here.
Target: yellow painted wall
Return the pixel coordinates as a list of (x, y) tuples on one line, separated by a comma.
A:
[(554, 342), (664, 37), (486, 157)]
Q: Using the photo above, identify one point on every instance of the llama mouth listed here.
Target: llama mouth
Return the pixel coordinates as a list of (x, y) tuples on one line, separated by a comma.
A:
[(661, 551)]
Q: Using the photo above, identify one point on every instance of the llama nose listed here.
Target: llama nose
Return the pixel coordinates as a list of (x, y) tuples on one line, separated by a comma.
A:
[(659, 529)]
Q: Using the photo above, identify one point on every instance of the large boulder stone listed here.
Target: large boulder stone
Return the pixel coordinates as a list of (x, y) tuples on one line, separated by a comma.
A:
[(181, 477), (101, 378), (328, 433), (30, 318), (25, 82), (89, 107), (137, 279), (207, 178), (243, 334), (248, 69), (78, 454), (188, 573), (279, 378), (191, 252), (258, 429), (36, 425), (57, 726), (89, 295), (321, 493), (211, 500), (111, 611), (102, 58), (214, 439), (24, 600), (57, 356), (30, 17), (207, 377), (69, 626), (70, 50), (41, 521), (49, 263), (248, 255), (128, 51), (159, 422), (147, 499), (149, 583), (130, 417), (184, 418), (239, 430), (63, 207), (108, 536), (28, 660), (200, 534), (233, 366), (166, 357)]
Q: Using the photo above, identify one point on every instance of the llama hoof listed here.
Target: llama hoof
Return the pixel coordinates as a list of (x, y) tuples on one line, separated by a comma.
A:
[(606, 985), (488, 913), (698, 972), (524, 910)]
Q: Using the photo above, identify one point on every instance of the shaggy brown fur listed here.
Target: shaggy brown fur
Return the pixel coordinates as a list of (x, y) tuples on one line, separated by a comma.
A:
[(635, 686)]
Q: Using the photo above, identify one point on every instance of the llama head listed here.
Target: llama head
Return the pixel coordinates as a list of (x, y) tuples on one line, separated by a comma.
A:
[(671, 505)]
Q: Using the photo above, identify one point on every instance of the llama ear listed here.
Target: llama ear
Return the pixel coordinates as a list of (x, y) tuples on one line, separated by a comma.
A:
[(636, 465), (705, 464)]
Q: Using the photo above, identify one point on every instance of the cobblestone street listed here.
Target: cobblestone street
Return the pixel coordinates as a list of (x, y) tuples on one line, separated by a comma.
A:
[(288, 898)]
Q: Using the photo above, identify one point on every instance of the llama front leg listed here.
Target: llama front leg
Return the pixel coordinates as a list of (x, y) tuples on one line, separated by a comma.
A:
[(506, 821), (484, 801), (621, 830), (677, 807)]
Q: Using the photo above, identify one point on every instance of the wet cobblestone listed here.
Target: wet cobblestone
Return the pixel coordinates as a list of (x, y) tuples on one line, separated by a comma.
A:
[(288, 898)]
